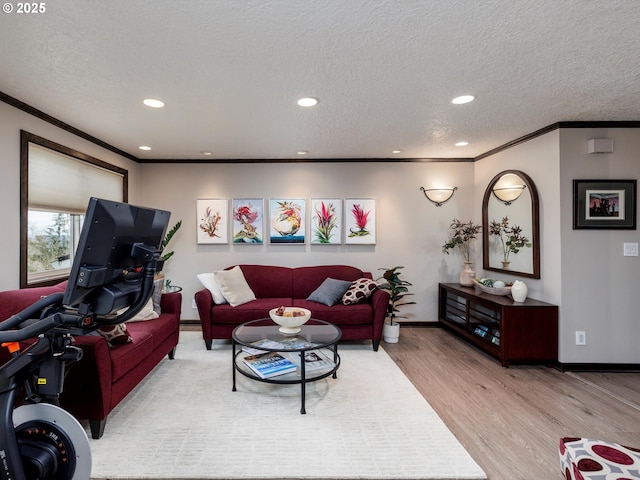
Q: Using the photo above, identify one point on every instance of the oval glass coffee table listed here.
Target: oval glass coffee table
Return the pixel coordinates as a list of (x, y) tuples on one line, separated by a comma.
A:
[(316, 343)]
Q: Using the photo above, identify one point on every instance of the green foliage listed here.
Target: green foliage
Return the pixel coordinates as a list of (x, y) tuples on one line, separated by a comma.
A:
[(511, 237), (397, 289), (168, 238), (49, 247), (461, 236)]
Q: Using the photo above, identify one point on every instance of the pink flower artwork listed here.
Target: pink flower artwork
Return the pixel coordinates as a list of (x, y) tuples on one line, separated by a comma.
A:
[(247, 221), (360, 221)]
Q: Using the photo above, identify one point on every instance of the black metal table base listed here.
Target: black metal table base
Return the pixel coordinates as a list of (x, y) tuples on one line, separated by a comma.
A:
[(303, 377)]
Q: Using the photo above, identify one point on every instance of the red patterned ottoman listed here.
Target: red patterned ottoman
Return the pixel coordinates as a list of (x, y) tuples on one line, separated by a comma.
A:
[(587, 459)]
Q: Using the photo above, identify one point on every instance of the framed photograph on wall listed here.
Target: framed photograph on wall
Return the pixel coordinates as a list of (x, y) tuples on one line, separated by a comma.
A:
[(287, 220), (360, 221), (604, 204), (326, 221), (248, 221), (212, 220)]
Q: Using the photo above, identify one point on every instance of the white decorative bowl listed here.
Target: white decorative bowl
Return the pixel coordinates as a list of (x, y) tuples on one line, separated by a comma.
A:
[(503, 291), (290, 325)]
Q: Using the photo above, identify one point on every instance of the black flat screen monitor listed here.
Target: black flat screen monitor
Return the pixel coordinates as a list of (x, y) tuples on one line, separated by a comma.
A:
[(100, 275)]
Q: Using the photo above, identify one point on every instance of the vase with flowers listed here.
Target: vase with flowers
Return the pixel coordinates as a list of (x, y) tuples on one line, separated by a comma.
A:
[(511, 239), (461, 235)]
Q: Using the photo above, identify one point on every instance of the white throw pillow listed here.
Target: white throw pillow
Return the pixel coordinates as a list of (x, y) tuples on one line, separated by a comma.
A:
[(147, 313), (208, 281), (234, 287)]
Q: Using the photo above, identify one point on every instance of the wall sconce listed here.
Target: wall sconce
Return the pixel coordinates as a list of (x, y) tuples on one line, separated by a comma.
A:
[(438, 196), (508, 188)]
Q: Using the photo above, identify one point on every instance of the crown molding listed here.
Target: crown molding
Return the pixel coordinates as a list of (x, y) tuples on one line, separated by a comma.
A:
[(20, 105), (556, 126), (305, 160)]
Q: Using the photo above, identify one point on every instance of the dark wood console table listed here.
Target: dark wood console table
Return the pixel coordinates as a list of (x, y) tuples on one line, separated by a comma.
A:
[(509, 331)]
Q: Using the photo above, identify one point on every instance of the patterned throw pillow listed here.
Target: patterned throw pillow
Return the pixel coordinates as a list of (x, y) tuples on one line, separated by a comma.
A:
[(115, 334), (359, 290)]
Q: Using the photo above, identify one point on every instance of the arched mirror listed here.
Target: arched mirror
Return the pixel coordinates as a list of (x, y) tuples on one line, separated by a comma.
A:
[(511, 225)]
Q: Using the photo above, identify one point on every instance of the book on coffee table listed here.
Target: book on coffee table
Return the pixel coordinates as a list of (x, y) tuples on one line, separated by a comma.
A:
[(270, 364), (313, 360)]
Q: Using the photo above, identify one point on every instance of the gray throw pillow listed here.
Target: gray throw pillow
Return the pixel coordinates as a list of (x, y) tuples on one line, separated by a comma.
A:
[(157, 294), (330, 291)]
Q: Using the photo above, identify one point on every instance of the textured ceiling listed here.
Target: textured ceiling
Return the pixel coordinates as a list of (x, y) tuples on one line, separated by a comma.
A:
[(385, 72)]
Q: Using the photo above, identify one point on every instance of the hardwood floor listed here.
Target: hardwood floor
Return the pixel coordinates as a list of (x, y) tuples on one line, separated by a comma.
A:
[(511, 419)]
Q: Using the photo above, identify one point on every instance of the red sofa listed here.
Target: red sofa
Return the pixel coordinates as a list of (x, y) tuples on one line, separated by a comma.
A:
[(104, 376), (276, 286)]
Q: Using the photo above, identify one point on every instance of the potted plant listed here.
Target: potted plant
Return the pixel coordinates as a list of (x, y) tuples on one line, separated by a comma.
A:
[(166, 256), (511, 239), (397, 289), (461, 236), (167, 238)]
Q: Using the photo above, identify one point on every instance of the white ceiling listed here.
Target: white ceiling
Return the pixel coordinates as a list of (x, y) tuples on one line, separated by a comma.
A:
[(385, 71)]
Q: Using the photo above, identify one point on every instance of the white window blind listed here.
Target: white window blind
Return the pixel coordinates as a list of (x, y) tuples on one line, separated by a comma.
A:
[(62, 183)]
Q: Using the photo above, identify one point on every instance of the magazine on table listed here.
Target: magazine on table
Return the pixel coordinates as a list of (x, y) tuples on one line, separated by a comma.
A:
[(270, 364), (294, 343), (291, 343), (313, 360), (255, 349)]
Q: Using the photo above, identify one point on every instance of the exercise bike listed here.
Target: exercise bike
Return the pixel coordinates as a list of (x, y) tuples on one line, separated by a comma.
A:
[(112, 272)]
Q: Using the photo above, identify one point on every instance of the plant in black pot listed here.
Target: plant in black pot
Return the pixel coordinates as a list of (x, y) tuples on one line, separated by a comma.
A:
[(398, 290)]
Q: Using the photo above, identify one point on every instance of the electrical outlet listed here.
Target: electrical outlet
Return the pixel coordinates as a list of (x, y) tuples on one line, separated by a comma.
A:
[(630, 250), (193, 303), (581, 337)]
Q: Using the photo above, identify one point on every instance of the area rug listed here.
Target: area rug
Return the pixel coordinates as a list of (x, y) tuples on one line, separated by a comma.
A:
[(184, 422)]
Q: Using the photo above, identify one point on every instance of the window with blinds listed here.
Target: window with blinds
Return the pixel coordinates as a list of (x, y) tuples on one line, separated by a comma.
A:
[(57, 183)]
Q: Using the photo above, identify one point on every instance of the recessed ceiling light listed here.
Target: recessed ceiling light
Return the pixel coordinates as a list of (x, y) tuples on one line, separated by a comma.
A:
[(144, 147), (462, 144), (463, 99), (153, 102), (396, 151), (206, 153), (303, 152), (308, 102)]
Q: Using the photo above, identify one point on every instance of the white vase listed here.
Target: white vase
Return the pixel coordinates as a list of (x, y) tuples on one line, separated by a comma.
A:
[(467, 275), (391, 333), (519, 291)]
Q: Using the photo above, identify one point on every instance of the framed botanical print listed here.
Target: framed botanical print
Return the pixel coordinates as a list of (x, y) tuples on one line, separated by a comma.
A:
[(287, 220), (604, 204), (360, 221), (212, 220), (326, 221), (248, 221)]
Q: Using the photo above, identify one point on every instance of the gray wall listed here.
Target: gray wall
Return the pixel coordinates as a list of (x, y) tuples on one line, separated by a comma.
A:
[(410, 230), (599, 284), (583, 271)]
